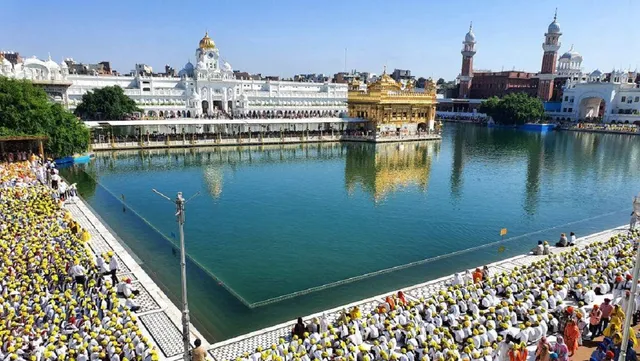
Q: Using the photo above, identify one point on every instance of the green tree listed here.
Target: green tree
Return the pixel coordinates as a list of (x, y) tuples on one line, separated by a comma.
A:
[(106, 103), (25, 109), (440, 81), (513, 109)]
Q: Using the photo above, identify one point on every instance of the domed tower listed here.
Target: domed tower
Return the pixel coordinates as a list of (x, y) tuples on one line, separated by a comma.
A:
[(207, 54), (468, 51), (550, 46)]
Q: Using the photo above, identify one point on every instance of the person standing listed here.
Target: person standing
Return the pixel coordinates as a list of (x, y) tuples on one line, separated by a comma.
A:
[(113, 268), (595, 317), (606, 308), (79, 273)]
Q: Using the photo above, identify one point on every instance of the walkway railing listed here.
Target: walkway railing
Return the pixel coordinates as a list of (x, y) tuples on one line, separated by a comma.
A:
[(179, 141)]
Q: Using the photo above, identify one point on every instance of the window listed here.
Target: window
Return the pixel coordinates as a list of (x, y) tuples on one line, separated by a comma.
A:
[(636, 99), (566, 98), (570, 110), (564, 110), (623, 99), (146, 89), (629, 101)]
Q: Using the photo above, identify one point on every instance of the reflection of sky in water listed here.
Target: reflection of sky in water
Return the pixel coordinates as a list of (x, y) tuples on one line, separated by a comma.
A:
[(275, 220)]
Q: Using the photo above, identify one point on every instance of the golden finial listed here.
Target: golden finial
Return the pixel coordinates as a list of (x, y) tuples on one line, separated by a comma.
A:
[(384, 69), (470, 26), (555, 16)]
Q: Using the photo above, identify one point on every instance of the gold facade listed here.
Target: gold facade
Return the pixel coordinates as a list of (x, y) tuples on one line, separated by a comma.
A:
[(387, 102)]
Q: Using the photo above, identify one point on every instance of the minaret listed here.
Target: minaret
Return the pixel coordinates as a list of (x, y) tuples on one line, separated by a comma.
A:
[(547, 71), (466, 74)]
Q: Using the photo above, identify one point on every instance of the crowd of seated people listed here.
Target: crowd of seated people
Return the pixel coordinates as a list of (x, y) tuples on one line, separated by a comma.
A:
[(546, 308), (55, 303)]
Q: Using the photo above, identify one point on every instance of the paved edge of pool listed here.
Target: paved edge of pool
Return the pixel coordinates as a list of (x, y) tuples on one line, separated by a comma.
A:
[(235, 347), (159, 318)]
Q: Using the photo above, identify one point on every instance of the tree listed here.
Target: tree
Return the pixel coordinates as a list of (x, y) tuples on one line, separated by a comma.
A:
[(513, 109), (106, 103), (25, 109), (440, 81)]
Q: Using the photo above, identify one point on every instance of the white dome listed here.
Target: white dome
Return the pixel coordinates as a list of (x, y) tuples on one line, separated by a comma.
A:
[(470, 37), (554, 28), (64, 65), (596, 73), (33, 61), (188, 66), (572, 55)]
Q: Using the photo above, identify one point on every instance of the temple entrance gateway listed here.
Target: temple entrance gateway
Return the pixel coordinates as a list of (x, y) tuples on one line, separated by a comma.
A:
[(591, 107), (205, 107)]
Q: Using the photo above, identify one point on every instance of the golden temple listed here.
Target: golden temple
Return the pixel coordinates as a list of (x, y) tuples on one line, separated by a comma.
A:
[(393, 109)]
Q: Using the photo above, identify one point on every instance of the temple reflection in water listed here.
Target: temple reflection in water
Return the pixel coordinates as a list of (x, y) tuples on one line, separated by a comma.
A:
[(382, 169)]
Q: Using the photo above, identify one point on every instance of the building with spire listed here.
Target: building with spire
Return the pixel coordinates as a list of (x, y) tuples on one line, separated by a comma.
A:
[(550, 46), (466, 73)]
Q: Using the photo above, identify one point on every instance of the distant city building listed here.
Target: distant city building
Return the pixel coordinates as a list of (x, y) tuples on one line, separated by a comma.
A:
[(101, 68), (143, 69), (401, 75), (11, 56), (170, 71), (312, 78), (348, 77)]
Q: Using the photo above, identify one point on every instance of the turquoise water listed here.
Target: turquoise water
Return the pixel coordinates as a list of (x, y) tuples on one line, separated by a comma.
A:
[(283, 231)]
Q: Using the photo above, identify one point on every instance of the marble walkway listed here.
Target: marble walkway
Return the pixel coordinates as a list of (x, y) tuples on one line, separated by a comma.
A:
[(159, 318)]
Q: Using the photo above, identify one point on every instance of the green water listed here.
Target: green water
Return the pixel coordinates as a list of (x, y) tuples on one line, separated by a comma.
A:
[(274, 221)]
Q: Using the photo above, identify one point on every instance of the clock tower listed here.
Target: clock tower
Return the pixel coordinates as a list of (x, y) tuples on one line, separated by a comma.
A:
[(207, 54)]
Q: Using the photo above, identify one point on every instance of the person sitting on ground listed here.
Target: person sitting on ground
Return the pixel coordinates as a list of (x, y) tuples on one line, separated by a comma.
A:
[(477, 275), (124, 288), (538, 250), (563, 242), (572, 239), (299, 329), (546, 250)]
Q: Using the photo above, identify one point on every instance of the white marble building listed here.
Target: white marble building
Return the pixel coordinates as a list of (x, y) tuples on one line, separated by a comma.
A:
[(207, 88), (615, 97)]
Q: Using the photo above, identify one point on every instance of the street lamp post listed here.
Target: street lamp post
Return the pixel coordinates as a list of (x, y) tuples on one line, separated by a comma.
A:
[(630, 309), (180, 202), (634, 288)]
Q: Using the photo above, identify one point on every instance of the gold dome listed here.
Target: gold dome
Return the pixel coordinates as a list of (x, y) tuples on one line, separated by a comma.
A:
[(385, 83), (206, 43)]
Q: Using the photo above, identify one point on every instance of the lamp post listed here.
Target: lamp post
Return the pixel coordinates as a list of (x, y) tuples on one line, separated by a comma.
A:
[(180, 202), (634, 288)]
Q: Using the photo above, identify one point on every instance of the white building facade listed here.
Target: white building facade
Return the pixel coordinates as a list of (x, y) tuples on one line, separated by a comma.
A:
[(206, 89), (612, 98)]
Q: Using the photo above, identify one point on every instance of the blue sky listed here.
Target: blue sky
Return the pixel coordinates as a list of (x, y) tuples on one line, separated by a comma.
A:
[(285, 37)]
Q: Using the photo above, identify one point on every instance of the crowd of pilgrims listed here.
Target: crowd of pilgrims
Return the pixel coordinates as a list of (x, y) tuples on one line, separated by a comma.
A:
[(56, 303), (542, 311)]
